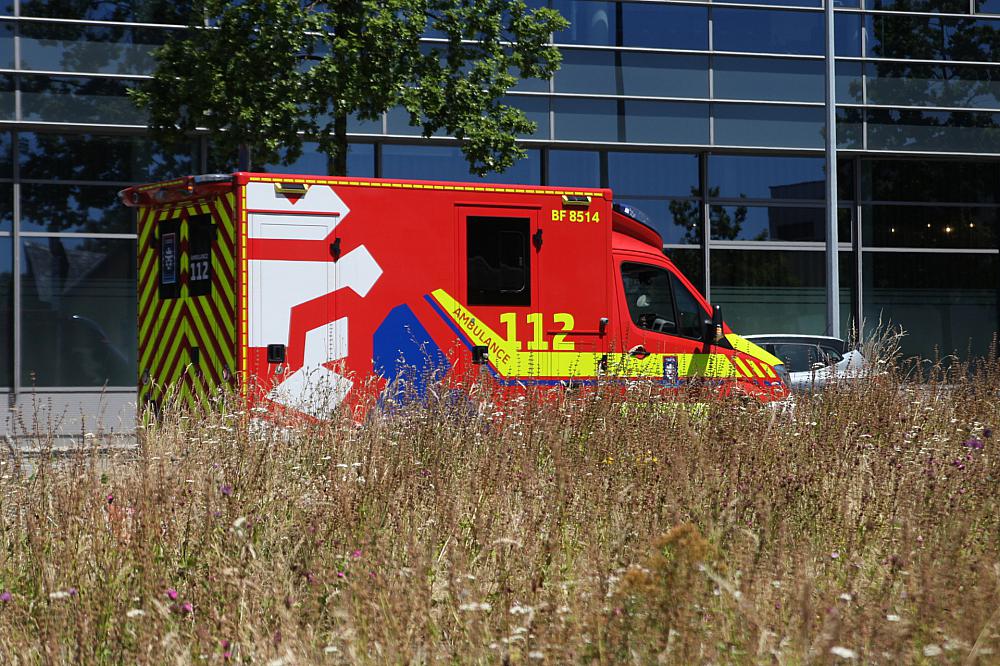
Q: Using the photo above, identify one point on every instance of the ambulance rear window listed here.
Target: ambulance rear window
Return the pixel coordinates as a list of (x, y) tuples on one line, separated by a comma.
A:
[(499, 265)]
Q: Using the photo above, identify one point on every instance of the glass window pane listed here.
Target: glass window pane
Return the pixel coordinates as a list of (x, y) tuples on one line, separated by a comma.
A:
[(947, 303), (360, 161), (918, 84), (779, 3), (768, 31), (574, 168), (770, 291), (849, 87), (931, 38), (767, 126), (75, 48), (78, 208), (756, 177), (649, 298), (951, 181), (7, 107), (850, 127), (6, 45), (988, 6), (101, 158), (6, 206), (664, 26), (776, 223), (926, 6), (847, 32), (666, 122), (78, 308), (6, 156), (448, 163), (690, 264), (642, 24), (930, 226), (631, 73), (951, 131), (664, 75), (536, 109), (776, 79), (653, 174), (137, 11), (585, 119), (78, 100)]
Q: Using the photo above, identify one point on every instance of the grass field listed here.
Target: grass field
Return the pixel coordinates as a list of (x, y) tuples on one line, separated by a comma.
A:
[(862, 526)]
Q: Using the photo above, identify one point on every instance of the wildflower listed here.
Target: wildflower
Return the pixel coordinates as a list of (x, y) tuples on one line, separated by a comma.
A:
[(932, 650), (973, 443), (341, 574), (61, 594), (356, 554), (226, 490), (135, 612), (892, 617), (845, 597), (5, 596), (843, 653), (71, 591), (834, 555), (171, 594), (111, 498), (536, 654), (475, 607), (187, 607)]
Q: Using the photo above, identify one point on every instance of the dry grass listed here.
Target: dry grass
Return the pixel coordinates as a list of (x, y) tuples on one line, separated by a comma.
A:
[(861, 526)]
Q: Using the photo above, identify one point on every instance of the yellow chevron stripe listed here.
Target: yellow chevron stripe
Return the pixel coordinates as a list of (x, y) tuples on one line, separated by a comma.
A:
[(205, 331), (756, 368), (743, 368)]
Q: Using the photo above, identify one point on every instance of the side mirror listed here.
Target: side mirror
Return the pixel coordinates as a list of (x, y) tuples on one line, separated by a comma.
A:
[(713, 327)]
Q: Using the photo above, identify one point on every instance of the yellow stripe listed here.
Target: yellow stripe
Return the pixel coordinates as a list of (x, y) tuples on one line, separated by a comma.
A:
[(739, 364), (769, 371), (510, 362), (245, 365), (205, 332), (756, 368)]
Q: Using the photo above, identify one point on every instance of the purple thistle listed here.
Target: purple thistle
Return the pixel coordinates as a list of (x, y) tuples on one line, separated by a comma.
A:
[(973, 443), (356, 554), (72, 591), (226, 490), (5, 596), (187, 607), (171, 594)]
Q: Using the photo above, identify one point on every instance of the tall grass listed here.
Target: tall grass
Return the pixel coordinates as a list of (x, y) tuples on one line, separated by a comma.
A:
[(862, 525)]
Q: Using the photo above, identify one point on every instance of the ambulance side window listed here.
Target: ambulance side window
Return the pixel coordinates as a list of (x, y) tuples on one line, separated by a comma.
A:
[(647, 292), (690, 315), (498, 260)]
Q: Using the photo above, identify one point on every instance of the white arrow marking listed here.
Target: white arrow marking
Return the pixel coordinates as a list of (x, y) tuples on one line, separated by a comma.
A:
[(317, 199), (313, 388)]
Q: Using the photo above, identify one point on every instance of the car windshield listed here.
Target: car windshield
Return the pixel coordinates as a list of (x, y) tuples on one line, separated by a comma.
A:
[(801, 357)]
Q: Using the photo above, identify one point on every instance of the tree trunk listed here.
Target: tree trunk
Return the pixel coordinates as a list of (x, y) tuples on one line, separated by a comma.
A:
[(244, 154), (338, 165)]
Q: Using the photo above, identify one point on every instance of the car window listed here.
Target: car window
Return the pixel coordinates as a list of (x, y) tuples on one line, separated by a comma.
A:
[(690, 314), (830, 355), (796, 357), (650, 302)]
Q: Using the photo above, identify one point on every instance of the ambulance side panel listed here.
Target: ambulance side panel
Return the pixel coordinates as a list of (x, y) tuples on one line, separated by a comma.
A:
[(187, 299)]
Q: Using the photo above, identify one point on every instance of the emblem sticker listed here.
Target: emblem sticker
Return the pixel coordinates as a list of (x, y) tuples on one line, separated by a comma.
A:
[(670, 369)]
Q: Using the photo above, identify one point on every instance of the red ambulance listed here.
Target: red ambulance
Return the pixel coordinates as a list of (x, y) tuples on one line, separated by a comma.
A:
[(302, 289)]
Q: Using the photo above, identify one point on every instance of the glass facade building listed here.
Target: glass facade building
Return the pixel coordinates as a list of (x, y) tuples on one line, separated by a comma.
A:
[(707, 115)]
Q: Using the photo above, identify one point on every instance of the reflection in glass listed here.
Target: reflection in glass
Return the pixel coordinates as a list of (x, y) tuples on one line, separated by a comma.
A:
[(850, 127), (632, 73), (773, 177), (585, 119), (360, 161), (799, 224), (642, 24), (6, 45), (847, 32), (690, 264), (770, 291), (77, 208), (6, 206), (930, 226), (768, 79), (944, 181), (536, 109), (768, 31), (676, 220), (947, 303), (951, 131), (78, 100), (448, 163), (665, 122), (76, 48), (653, 174), (7, 104), (6, 157), (987, 6), (102, 158), (923, 84), (926, 6), (932, 37), (6, 312), (137, 11), (78, 307), (780, 3), (577, 168), (785, 126)]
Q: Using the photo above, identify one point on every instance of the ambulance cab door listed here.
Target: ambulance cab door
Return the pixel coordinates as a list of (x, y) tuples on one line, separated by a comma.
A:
[(660, 316), (499, 277)]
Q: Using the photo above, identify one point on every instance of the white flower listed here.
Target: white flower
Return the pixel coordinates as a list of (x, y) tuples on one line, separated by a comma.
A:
[(843, 653), (59, 595), (330, 649), (535, 654), (474, 606), (845, 597), (932, 650), (892, 617), (135, 612)]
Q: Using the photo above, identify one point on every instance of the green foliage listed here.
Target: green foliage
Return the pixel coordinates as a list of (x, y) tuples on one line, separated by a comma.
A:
[(261, 74)]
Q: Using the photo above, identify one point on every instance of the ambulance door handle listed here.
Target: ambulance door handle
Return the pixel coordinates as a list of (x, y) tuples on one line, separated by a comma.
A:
[(638, 352), (536, 240), (335, 248)]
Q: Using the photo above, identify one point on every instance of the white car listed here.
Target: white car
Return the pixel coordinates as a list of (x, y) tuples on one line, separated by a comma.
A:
[(813, 360)]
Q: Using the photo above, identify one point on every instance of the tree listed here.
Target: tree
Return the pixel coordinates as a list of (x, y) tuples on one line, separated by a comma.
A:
[(262, 74)]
